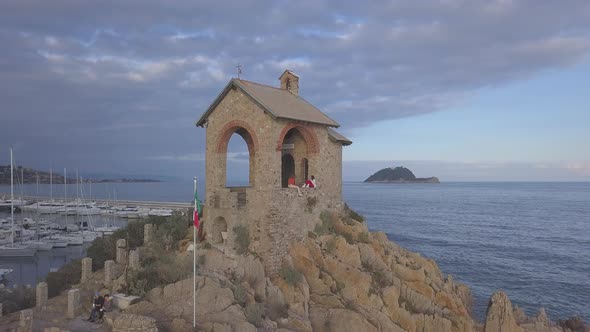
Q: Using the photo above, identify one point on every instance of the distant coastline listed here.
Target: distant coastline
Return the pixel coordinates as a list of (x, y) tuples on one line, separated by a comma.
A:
[(30, 176)]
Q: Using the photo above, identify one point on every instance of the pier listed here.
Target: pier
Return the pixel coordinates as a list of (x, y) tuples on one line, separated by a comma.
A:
[(146, 204)]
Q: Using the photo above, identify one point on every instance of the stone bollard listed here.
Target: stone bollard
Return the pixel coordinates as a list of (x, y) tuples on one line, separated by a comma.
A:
[(121, 251), (109, 271), (148, 233), (86, 269), (134, 259), (1, 309), (73, 302), (25, 323), (41, 293)]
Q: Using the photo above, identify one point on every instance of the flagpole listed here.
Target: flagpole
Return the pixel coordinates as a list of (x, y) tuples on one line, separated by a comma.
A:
[(195, 262)]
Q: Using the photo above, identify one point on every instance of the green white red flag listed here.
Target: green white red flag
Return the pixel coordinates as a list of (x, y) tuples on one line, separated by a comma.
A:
[(197, 210)]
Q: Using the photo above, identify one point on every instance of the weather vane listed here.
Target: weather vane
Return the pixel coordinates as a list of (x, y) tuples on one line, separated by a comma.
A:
[(239, 68)]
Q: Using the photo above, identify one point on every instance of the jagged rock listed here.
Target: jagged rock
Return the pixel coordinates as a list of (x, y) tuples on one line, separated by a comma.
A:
[(134, 323), (370, 258), (499, 317), (348, 320), (251, 270), (409, 274), (347, 253)]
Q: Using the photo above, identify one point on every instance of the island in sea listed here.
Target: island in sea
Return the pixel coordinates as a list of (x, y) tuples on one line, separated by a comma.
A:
[(398, 174), (29, 175)]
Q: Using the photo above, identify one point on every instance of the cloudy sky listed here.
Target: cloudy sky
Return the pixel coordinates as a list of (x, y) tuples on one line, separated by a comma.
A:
[(464, 90)]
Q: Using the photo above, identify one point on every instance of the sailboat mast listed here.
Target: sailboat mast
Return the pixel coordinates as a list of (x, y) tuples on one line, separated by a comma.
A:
[(22, 182), (11, 198), (51, 184), (66, 194), (77, 186)]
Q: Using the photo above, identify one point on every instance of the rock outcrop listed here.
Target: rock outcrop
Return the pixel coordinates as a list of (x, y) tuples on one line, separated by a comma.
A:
[(346, 280)]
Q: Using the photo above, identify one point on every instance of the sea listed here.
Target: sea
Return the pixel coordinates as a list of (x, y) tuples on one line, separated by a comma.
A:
[(529, 239)]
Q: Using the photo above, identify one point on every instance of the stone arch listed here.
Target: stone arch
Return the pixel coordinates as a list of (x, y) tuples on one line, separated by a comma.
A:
[(219, 226), (241, 128), (308, 134), (248, 134)]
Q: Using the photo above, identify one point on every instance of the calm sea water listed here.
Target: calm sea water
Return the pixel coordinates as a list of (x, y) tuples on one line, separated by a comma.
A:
[(531, 240)]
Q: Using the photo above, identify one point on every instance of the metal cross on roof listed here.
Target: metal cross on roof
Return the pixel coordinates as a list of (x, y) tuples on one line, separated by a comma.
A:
[(239, 68)]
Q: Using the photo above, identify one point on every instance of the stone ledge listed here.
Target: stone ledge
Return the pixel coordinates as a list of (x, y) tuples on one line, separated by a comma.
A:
[(122, 301)]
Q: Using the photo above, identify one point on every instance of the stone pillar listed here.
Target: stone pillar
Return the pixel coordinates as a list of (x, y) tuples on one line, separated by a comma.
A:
[(109, 271), (25, 323), (1, 309), (121, 251), (86, 269), (134, 259), (148, 233), (73, 302), (41, 293)]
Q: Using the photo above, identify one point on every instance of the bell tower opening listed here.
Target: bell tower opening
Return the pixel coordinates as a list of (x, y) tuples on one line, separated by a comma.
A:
[(237, 162)]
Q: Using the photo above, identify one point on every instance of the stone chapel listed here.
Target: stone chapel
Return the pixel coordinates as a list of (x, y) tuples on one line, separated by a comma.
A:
[(285, 135)]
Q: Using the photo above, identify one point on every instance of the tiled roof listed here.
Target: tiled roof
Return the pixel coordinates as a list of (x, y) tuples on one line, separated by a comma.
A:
[(338, 137), (278, 102)]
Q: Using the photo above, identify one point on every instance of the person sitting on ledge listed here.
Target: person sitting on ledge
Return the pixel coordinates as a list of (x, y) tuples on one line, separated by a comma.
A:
[(291, 184), (309, 183), (97, 303)]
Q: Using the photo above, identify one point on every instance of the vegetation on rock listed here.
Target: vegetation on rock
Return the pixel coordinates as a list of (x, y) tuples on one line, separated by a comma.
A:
[(242, 239), (16, 298)]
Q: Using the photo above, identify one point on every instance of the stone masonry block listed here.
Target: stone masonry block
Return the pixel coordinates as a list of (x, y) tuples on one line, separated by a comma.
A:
[(73, 302), (86, 269), (109, 271), (134, 260), (148, 233), (41, 293), (121, 251)]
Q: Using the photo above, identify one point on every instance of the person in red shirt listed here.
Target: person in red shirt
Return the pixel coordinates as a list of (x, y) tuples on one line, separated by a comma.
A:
[(291, 184)]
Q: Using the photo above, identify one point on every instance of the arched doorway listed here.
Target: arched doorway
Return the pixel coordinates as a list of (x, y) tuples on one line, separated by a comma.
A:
[(294, 151), (287, 169), (219, 227)]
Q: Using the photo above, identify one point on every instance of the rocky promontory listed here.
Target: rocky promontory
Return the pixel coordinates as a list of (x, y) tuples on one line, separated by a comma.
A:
[(340, 277), (398, 174)]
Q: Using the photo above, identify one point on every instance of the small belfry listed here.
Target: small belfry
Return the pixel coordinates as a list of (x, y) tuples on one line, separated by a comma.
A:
[(288, 140)]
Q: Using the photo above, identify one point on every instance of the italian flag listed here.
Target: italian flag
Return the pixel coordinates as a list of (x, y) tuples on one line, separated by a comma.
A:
[(197, 210)]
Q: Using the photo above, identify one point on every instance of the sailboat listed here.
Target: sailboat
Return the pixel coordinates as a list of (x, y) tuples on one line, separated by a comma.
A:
[(14, 250)]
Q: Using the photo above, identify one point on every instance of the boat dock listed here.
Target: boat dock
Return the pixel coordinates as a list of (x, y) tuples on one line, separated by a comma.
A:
[(146, 204)]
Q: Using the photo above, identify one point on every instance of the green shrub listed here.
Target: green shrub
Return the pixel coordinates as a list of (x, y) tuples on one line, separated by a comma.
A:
[(17, 298), (207, 245), (290, 275), (255, 314), (159, 271), (240, 294), (242, 239), (276, 311), (363, 237), (331, 244), (172, 231), (327, 224), (352, 214), (63, 278), (101, 250), (348, 237)]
